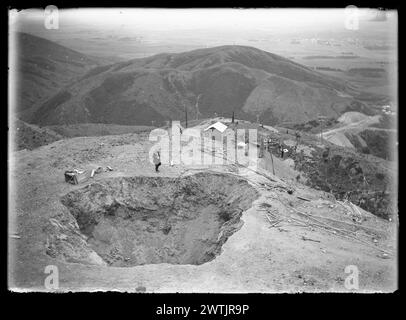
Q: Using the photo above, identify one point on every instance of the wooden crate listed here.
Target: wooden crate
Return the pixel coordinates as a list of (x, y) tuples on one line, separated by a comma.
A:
[(76, 178)]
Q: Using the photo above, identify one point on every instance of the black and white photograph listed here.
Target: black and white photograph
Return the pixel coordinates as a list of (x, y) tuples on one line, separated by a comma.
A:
[(202, 150)]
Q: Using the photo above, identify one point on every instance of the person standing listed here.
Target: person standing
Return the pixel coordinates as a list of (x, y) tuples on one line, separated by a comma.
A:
[(325, 154), (281, 149), (157, 160), (268, 144), (297, 134)]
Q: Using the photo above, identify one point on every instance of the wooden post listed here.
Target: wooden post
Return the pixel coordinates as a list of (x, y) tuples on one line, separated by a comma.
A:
[(235, 145), (273, 167), (321, 132), (261, 149), (186, 116), (321, 121)]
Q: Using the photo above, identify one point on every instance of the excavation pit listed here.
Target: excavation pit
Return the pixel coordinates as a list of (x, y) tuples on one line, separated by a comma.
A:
[(131, 221)]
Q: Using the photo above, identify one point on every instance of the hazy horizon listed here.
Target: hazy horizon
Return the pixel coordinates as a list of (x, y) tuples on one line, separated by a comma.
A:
[(205, 27)]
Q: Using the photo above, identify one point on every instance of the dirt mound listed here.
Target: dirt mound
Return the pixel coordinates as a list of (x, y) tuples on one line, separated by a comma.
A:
[(132, 221), (351, 117)]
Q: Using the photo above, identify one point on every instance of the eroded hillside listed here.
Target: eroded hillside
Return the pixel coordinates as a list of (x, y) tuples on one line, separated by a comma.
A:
[(204, 82)]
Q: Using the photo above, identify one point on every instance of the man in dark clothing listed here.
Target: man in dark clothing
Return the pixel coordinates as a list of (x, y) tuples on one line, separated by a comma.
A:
[(325, 154), (157, 160), (297, 134), (282, 150)]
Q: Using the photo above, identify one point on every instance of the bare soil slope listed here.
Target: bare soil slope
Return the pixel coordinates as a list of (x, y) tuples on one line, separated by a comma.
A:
[(278, 248)]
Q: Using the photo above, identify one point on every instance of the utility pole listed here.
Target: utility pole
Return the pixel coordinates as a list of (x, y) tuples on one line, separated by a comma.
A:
[(321, 121), (273, 167), (321, 131), (232, 120), (197, 106), (185, 115)]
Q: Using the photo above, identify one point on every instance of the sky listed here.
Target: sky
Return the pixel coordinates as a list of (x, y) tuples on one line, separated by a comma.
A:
[(280, 20)]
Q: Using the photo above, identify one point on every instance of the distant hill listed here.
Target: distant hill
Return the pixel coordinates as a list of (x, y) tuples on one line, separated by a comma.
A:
[(43, 67), (205, 82)]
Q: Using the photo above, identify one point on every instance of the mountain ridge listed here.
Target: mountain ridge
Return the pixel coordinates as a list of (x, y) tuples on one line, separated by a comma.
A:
[(207, 82), (43, 67)]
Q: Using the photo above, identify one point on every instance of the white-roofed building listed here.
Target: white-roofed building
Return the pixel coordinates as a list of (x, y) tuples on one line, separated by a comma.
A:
[(219, 126)]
